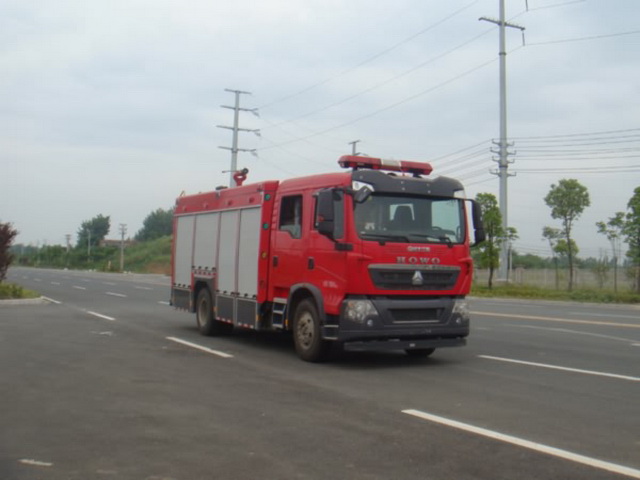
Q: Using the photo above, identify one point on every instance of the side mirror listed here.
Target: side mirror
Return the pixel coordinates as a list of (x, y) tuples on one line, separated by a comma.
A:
[(476, 213), (324, 214)]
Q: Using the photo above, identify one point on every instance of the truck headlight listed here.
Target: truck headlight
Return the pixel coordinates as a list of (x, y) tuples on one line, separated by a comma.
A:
[(360, 311), (460, 313)]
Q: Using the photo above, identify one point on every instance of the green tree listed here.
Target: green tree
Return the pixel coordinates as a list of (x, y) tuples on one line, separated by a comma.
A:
[(93, 231), (7, 234), (489, 250), (158, 223), (567, 201), (613, 231), (631, 231), (553, 235)]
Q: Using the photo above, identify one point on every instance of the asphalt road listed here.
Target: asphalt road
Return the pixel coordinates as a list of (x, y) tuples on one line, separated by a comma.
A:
[(104, 380)]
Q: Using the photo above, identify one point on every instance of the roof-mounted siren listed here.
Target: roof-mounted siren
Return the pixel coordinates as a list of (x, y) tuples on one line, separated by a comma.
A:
[(405, 166)]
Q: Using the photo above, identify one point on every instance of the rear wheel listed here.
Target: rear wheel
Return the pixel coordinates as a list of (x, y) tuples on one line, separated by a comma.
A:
[(420, 352), (307, 336), (207, 324)]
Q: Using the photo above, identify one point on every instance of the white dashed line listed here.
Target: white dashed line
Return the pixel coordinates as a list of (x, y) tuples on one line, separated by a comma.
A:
[(99, 315), (113, 294), (538, 447), (565, 369), (142, 288), (35, 463), (51, 300), (164, 303), (200, 347), (79, 288)]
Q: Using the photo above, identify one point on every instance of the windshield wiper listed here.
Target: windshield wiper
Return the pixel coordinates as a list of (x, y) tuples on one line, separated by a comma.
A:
[(441, 238), (384, 237)]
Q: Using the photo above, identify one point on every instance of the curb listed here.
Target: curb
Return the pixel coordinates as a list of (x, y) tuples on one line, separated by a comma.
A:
[(22, 301)]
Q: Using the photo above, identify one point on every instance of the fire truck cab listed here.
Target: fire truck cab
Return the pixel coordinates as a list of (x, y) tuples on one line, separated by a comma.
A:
[(376, 257)]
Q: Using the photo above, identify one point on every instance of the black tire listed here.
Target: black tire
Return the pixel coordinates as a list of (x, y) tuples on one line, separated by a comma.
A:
[(420, 352), (207, 324), (307, 337)]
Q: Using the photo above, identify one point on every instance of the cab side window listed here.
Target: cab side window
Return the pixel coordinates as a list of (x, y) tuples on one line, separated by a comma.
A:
[(291, 215)]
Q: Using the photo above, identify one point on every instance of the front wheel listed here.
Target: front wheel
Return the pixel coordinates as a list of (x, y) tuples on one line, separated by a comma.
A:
[(307, 337)]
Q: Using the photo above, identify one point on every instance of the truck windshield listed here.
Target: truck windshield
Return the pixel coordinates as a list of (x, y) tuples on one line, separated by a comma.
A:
[(410, 219)]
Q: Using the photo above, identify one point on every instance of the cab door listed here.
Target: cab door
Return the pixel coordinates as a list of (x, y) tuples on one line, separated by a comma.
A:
[(289, 245)]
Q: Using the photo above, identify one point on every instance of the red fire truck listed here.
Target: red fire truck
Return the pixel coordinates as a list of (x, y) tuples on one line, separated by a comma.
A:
[(372, 258)]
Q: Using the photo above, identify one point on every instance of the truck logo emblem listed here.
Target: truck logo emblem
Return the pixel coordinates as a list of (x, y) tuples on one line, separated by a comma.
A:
[(418, 260), (417, 279)]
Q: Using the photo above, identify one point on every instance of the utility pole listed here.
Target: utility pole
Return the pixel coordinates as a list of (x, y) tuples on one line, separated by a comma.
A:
[(123, 231), (353, 147), (68, 238), (236, 118), (503, 145)]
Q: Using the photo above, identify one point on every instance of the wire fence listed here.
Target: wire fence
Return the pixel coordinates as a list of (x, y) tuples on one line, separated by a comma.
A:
[(623, 280)]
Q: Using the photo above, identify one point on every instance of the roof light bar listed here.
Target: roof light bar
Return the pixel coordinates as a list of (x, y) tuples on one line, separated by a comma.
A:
[(405, 166)]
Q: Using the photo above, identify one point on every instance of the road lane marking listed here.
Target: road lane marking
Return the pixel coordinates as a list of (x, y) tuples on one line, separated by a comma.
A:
[(606, 315), (200, 347), (35, 463), (556, 319), (520, 442), (578, 332), (99, 315), (79, 288), (112, 284), (51, 300), (565, 369), (162, 302), (55, 283), (113, 294), (142, 288)]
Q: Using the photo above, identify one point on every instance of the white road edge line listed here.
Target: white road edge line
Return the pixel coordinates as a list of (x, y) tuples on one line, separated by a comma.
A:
[(199, 347), (565, 369), (163, 302), (554, 319), (538, 447), (99, 315), (113, 294), (51, 300)]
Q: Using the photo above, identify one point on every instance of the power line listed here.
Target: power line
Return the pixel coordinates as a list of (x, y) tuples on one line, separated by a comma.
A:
[(385, 82), (371, 58), (609, 169), (566, 135), (393, 105), (580, 39)]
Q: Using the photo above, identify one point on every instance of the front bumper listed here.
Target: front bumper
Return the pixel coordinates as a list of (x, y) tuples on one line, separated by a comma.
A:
[(402, 322)]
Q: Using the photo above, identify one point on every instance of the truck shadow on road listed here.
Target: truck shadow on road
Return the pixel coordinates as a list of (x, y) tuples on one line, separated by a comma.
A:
[(280, 345)]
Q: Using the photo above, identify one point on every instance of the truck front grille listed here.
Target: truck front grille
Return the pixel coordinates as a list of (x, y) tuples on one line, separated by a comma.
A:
[(410, 316), (414, 277)]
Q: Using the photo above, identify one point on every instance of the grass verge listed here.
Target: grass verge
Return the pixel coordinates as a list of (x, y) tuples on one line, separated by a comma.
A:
[(11, 291), (537, 293)]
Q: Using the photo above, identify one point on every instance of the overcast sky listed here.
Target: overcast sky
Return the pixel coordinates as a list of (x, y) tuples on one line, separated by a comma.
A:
[(111, 106)]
